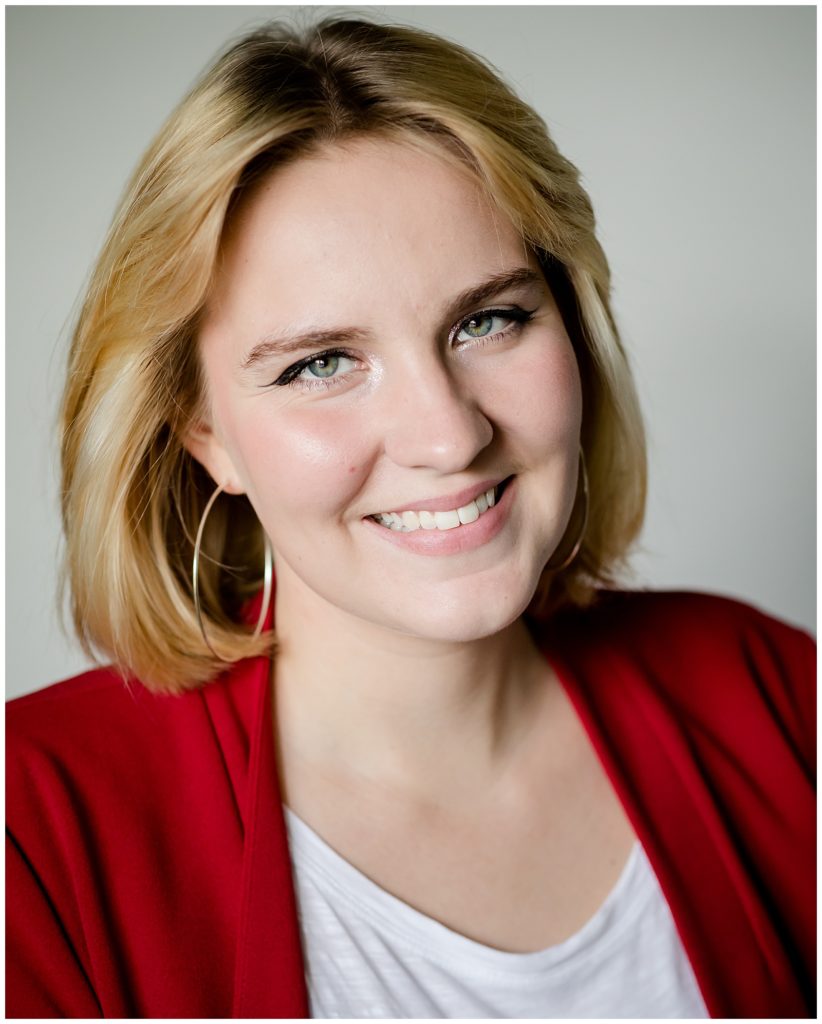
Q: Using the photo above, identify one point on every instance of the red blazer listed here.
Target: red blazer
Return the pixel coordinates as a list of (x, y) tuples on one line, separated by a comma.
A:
[(148, 871)]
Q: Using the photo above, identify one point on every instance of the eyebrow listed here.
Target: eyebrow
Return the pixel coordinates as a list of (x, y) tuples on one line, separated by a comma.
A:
[(276, 344)]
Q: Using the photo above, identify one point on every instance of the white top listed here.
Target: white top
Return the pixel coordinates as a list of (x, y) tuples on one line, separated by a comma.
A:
[(368, 954)]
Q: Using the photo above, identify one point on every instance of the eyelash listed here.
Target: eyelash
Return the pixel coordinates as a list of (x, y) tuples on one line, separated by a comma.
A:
[(291, 376)]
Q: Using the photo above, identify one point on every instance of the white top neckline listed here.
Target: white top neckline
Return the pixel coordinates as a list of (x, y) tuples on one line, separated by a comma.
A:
[(432, 939)]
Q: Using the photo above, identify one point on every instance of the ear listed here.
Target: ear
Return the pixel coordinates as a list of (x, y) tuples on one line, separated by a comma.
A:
[(201, 442)]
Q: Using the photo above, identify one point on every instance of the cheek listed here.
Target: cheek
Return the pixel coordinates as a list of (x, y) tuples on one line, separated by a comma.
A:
[(538, 400), (307, 460)]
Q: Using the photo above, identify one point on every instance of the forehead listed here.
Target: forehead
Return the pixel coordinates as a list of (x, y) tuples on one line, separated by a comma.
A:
[(370, 217)]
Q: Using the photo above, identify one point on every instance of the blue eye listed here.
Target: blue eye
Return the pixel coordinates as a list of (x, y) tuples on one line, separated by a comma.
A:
[(491, 322), (320, 370), (480, 326), (323, 366)]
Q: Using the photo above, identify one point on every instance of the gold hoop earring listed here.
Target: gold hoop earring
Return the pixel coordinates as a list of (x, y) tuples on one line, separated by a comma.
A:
[(195, 578), (578, 544)]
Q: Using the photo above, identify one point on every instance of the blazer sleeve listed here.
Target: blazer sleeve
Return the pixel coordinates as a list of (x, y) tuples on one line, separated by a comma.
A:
[(44, 975), (782, 658)]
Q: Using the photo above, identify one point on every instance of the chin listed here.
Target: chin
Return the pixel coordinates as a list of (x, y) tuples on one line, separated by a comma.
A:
[(455, 619)]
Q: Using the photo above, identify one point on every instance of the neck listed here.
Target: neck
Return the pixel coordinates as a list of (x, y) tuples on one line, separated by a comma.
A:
[(431, 719)]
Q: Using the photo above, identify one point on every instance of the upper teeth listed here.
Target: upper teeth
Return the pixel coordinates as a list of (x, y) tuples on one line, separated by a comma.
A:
[(407, 522)]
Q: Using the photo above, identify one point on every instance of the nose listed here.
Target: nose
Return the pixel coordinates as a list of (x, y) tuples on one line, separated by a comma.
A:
[(433, 422)]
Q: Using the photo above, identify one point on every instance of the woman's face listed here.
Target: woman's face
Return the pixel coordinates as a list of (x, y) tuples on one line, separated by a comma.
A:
[(380, 341)]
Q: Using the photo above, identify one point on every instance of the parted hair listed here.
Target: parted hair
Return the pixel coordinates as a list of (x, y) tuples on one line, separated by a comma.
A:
[(132, 495)]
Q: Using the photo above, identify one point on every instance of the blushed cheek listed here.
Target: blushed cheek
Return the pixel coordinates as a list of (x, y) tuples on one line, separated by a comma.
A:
[(308, 464), (543, 402)]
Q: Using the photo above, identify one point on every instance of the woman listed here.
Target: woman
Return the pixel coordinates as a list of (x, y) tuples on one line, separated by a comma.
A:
[(353, 313)]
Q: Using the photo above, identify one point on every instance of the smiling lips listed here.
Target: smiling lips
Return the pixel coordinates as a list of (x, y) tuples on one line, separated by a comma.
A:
[(445, 519), (468, 506), (476, 519)]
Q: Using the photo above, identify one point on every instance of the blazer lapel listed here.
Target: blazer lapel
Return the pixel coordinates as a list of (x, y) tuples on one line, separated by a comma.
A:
[(269, 976), (738, 959)]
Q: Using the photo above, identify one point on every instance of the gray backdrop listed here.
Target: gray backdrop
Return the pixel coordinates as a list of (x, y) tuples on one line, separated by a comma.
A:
[(694, 128)]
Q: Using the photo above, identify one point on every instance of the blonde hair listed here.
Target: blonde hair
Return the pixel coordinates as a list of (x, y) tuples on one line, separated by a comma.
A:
[(132, 495)]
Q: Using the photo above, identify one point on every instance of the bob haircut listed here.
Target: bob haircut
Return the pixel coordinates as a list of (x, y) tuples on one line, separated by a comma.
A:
[(132, 496)]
